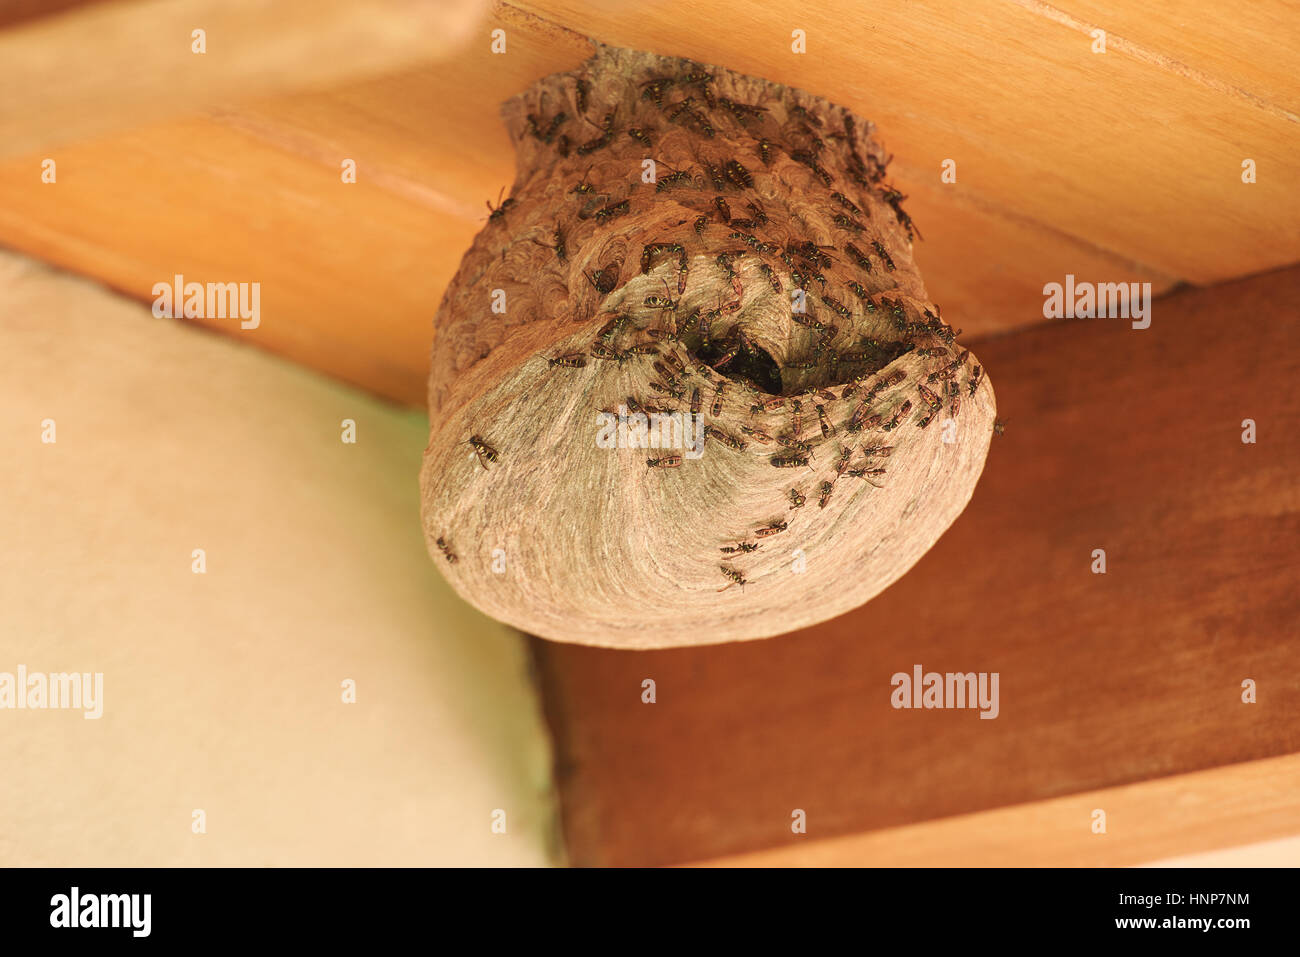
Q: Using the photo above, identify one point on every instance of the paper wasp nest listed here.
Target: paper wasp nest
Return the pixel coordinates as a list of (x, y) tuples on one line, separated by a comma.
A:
[(714, 264)]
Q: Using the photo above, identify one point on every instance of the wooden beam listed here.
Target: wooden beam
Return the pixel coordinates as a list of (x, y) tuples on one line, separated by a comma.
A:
[(1131, 150), (106, 66), (1119, 439), (1055, 174), (1239, 815)]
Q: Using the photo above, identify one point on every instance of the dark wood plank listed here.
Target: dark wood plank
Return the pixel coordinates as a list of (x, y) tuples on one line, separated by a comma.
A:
[(1116, 438)]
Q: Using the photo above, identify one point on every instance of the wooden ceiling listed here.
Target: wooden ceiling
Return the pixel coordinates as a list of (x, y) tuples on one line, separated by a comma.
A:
[(1116, 166)]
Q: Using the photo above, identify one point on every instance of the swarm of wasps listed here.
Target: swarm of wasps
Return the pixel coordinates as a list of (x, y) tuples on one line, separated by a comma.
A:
[(836, 399)]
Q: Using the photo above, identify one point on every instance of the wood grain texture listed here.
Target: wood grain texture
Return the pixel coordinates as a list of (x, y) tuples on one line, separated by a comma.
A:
[(1239, 815), (1115, 167), (1140, 159), (1127, 440), (135, 63)]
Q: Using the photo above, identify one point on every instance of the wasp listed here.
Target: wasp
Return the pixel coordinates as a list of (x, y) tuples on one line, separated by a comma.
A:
[(642, 349), (936, 353), (556, 121), (682, 269), (741, 111), (605, 280), (883, 253), (739, 175), (580, 95), (796, 414), (611, 328), (640, 135), (660, 302), (827, 429), (498, 212), (846, 455), (667, 462), (561, 247), (895, 199), (608, 211), (955, 407), (999, 426), (716, 410), (663, 372), (878, 451), (633, 405), (758, 436), (700, 223), (765, 152), (574, 360), (584, 188), (703, 371), (836, 306), (606, 136), (730, 441), (727, 356), (797, 500), (932, 400), (846, 203), (739, 548), (813, 253), (812, 322), (675, 178), (734, 575), (844, 221), (653, 89), (592, 145), (771, 529), (974, 382), (682, 106), (948, 371), (858, 257), (599, 351), (825, 497), (650, 250), (484, 451), (903, 409), (810, 160), (804, 115), (865, 473), (724, 210), (446, 550)]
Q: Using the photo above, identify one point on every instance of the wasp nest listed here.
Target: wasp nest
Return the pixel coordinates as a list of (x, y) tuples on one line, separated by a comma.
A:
[(687, 385)]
